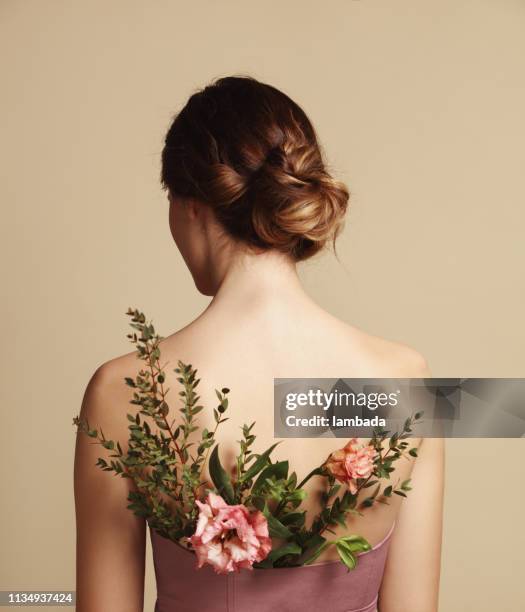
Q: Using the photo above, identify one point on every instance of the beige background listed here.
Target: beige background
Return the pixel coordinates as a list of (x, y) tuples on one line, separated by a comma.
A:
[(419, 105)]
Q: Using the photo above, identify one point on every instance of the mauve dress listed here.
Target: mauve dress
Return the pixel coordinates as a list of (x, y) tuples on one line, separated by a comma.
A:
[(327, 587)]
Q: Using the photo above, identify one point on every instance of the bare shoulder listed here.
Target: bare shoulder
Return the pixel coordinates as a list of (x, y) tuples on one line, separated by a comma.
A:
[(391, 359), (405, 361), (107, 396), (111, 373)]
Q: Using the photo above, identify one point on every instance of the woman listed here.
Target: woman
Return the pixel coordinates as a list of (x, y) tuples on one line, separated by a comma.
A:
[(250, 197)]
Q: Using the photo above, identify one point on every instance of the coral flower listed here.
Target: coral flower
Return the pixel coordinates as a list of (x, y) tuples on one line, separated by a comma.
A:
[(355, 460), (229, 537)]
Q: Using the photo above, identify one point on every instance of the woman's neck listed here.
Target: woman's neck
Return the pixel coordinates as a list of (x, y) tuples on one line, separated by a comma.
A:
[(255, 280)]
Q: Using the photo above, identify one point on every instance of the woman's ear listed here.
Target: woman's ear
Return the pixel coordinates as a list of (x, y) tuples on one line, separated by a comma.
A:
[(202, 215), (193, 209)]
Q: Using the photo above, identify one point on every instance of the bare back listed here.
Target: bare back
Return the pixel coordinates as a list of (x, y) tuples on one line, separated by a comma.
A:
[(245, 350)]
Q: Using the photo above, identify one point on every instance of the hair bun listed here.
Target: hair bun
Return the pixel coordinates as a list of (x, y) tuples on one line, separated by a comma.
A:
[(297, 207), (256, 161)]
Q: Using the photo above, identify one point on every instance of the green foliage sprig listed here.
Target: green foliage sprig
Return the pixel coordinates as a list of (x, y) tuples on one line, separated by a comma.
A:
[(166, 475)]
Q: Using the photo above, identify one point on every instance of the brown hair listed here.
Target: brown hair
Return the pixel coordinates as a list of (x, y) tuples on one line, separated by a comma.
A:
[(251, 153)]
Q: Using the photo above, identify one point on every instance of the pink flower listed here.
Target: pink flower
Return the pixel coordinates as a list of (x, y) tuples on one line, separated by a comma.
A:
[(355, 460), (229, 537)]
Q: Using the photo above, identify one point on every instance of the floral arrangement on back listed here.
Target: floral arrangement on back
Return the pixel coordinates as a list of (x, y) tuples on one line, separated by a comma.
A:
[(250, 516)]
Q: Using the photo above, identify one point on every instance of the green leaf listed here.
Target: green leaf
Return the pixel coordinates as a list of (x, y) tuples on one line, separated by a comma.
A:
[(278, 470), (288, 549), (318, 471), (294, 519), (296, 497), (275, 527), (220, 478), (258, 465), (355, 543), (311, 540), (393, 440), (405, 485), (346, 555)]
